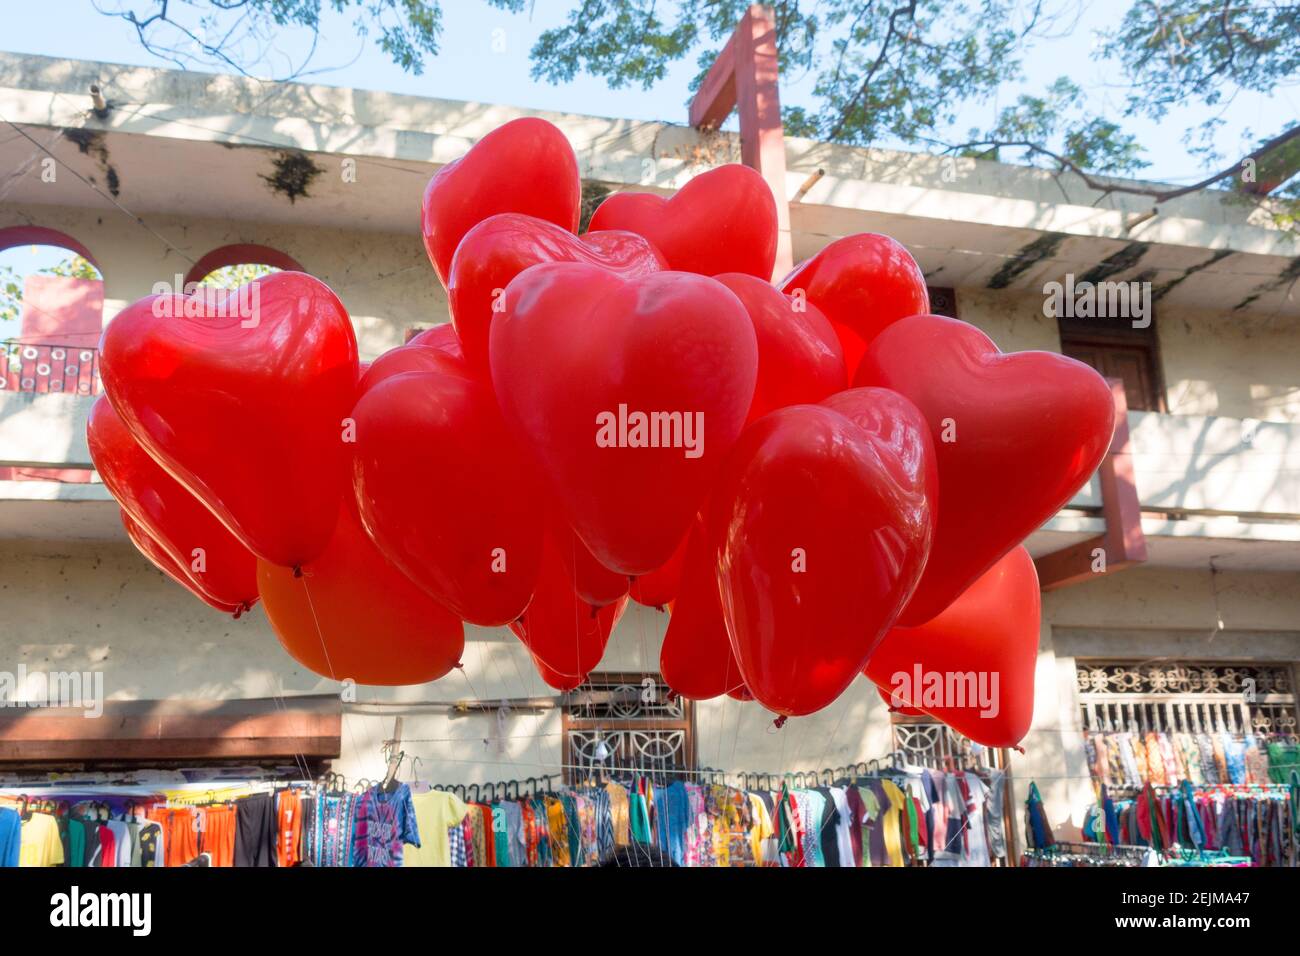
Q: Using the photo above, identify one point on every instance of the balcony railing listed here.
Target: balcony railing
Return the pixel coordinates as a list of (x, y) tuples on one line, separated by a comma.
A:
[(41, 368)]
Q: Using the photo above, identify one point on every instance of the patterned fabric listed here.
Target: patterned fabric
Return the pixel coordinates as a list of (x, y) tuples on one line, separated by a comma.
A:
[(604, 823), (467, 838), (556, 823), (456, 843), (618, 808), (330, 839), (385, 823)]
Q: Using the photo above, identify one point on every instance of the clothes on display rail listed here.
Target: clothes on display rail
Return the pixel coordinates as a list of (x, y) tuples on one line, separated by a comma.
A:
[(918, 817), (1131, 760), (246, 825), (895, 817), (1254, 822)]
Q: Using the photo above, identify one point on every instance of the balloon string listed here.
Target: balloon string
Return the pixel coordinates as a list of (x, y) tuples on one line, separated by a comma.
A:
[(306, 589)]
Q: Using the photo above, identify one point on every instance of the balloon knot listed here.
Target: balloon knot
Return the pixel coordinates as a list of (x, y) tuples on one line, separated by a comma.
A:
[(660, 608), (594, 611), (297, 570), (459, 665), (780, 721), (672, 696), (240, 610), (1019, 749)]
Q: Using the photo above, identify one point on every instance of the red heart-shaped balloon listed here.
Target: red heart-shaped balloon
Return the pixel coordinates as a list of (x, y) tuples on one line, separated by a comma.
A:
[(658, 587), (241, 397), (499, 248), (862, 283), (525, 166), (972, 666), (157, 555), (628, 392), (595, 583), (441, 337), (723, 220), (695, 658), (820, 526), (560, 629), (895, 707), (444, 493), (1015, 437), (411, 358), (212, 564), (799, 358), (353, 616)]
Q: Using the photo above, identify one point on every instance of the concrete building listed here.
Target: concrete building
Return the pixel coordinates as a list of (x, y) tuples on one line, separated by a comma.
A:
[(186, 172)]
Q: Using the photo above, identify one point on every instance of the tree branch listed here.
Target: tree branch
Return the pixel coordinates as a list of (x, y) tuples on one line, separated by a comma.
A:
[(1159, 195)]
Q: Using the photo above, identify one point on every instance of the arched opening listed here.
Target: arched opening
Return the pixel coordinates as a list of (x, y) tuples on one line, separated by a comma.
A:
[(51, 318), (51, 312), (229, 267)]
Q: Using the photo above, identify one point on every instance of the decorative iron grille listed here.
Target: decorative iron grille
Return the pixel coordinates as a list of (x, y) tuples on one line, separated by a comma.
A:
[(620, 723), (1186, 696), (33, 367), (925, 742)]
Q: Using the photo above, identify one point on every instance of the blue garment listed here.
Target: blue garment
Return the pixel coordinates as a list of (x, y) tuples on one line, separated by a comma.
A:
[(11, 836), (1234, 752), (678, 821), (384, 823), (1112, 818), (1195, 826)]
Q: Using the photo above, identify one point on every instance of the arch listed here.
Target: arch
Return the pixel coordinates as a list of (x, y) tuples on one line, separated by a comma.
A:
[(238, 254), (13, 236)]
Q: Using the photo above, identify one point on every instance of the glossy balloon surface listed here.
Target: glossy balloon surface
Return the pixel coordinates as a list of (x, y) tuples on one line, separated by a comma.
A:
[(525, 166), (499, 248), (1016, 435), (560, 629), (157, 555), (244, 404), (581, 356), (799, 358), (695, 658), (723, 220), (444, 493), (352, 615), (982, 650), (820, 529), (212, 563), (862, 283)]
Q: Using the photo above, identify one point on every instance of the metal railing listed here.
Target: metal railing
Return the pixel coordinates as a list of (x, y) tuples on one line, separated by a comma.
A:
[(43, 368)]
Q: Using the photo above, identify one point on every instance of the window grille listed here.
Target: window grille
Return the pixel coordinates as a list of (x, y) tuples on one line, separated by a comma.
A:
[(1186, 696), (615, 723)]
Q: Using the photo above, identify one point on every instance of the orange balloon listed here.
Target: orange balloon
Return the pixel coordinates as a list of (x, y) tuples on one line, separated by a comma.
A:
[(972, 666), (352, 615)]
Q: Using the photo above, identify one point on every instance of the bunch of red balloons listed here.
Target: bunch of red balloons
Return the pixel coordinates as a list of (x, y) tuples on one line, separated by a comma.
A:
[(816, 476)]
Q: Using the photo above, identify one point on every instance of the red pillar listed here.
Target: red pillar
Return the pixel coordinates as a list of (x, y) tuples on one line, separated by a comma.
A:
[(744, 78)]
